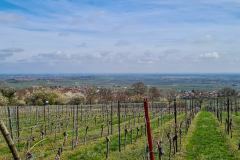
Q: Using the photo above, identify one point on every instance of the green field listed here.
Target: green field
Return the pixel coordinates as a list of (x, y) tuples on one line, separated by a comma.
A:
[(164, 82)]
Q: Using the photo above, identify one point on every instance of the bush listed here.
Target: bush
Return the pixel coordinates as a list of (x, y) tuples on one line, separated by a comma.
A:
[(39, 102)]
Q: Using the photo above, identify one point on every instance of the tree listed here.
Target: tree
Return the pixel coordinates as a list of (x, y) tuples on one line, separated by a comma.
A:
[(18, 101), (154, 92), (77, 99), (66, 97), (170, 95), (139, 88), (121, 95), (8, 93), (106, 95), (137, 98), (3, 100), (91, 95), (227, 92), (39, 102), (44, 95), (200, 97), (51, 101), (230, 93)]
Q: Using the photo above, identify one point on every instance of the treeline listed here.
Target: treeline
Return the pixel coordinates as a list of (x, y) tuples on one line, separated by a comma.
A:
[(90, 95), (39, 97)]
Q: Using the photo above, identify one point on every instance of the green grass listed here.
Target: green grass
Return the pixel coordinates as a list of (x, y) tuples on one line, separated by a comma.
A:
[(96, 146), (207, 141), (97, 150)]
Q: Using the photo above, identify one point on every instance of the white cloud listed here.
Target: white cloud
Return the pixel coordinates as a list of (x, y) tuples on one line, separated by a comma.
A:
[(53, 56), (122, 43), (96, 55), (203, 39), (237, 59), (75, 21), (4, 56), (64, 34), (11, 18), (144, 62), (97, 15), (118, 28), (82, 45), (213, 55), (171, 51), (12, 50)]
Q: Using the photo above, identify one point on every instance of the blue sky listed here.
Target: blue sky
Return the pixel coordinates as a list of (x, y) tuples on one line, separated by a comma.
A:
[(120, 36)]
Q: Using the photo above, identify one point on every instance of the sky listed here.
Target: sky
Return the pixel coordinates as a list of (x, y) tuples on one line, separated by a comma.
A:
[(119, 36)]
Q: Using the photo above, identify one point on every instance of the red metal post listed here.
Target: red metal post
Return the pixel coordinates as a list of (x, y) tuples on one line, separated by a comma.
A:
[(148, 129)]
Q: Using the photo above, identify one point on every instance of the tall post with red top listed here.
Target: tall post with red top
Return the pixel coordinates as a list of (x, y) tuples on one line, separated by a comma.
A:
[(148, 129)]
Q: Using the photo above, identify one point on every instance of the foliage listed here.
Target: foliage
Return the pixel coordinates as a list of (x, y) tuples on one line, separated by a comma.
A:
[(17, 101), (44, 95), (77, 99), (8, 93), (39, 102), (137, 99), (3, 100), (51, 101)]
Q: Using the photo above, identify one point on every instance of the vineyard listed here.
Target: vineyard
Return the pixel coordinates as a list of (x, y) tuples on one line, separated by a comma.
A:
[(179, 130)]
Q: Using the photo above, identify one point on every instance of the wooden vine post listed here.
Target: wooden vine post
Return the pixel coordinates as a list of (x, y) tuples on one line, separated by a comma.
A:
[(85, 139), (175, 111), (108, 140), (73, 127), (60, 150), (228, 116), (170, 145), (186, 115), (119, 126), (160, 149), (10, 122), (18, 128), (148, 129), (9, 141), (102, 130), (137, 134), (111, 118), (131, 136), (126, 131)]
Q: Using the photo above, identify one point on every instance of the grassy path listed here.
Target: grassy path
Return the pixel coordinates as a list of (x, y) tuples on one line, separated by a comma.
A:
[(208, 140)]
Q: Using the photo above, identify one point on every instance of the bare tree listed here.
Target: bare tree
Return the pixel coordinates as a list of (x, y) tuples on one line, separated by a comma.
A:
[(228, 92), (91, 95), (200, 97), (155, 93), (139, 88), (106, 95), (170, 95)]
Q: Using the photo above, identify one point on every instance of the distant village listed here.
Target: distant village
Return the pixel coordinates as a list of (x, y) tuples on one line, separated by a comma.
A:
[(83, 89)]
